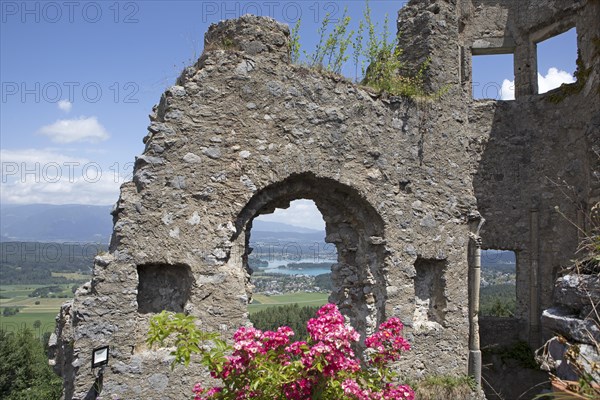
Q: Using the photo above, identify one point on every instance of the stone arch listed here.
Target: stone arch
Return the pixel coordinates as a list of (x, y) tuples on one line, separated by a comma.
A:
[(352, 225)]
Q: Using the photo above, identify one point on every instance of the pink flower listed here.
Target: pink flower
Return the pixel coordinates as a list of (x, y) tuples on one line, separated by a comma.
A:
[(398, 392), (326, 360), (387, 342), (296, 348)]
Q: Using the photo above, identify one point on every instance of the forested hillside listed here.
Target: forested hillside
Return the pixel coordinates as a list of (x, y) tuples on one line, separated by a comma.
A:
[(46, 263)]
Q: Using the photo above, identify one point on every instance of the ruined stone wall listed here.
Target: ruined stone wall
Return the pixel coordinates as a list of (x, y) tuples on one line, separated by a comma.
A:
[(515, 26), (535, 151), (531, 151), (429, 35), (400, 185), (241, 133)]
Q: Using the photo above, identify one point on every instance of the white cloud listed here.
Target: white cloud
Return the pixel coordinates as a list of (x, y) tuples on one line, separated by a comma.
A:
[(302, 213), (553, 79), (41, 156), (82, 129), (32, 176), (65, 105), (103, 191), (507, 92)]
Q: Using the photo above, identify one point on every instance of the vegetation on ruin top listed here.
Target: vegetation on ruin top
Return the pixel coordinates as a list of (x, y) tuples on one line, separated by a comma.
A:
[(375, 58)]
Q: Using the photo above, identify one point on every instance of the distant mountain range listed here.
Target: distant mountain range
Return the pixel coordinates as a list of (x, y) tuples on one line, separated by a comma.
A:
[(93, 224), (82, 223), (55, 223), (499, 260), (278, 232), (268, 226)]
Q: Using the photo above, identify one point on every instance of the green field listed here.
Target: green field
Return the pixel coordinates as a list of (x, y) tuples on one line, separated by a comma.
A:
[(260, 301), (45, 311), (74, 276)]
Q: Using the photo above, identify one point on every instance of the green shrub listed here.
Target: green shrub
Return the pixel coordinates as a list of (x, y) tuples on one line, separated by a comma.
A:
[(378, 58), (24, 370)]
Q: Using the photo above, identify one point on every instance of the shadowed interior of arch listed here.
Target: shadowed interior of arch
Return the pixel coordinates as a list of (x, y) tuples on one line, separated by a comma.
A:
[(352, 225)]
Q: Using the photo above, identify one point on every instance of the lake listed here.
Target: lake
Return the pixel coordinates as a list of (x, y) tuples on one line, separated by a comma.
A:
[(275, 264)]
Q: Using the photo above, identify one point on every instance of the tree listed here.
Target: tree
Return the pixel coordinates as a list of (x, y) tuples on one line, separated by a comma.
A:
[(37, 324), (8, 311), (501, 309), (24, 370), (291, 315)]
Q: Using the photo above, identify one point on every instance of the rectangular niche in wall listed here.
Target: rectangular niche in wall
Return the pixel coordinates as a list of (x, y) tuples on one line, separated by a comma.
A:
[(163, 287), (430, 299)]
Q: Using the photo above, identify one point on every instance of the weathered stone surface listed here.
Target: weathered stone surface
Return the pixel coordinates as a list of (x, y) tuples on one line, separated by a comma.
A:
[(192, 158), (579, 292), (562, 321), (576, 319), (401, 184)]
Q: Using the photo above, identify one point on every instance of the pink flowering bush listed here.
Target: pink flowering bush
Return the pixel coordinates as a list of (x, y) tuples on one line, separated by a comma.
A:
[(268, 365)]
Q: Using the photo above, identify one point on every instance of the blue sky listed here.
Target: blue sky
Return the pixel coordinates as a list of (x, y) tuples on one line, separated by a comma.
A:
[(80, 78), (493, 75)]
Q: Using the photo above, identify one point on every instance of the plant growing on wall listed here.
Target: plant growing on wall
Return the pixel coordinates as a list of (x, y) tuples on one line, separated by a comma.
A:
[(268, 365), (378, 59)]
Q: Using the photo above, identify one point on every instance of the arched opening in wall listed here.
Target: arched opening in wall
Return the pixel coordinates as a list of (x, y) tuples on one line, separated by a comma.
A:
[(498, 297), (493, 75), (291, 266), (352, 226), (557, 60)]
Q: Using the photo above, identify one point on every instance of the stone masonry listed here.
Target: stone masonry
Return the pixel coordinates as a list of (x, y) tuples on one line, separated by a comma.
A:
[(402, 186)]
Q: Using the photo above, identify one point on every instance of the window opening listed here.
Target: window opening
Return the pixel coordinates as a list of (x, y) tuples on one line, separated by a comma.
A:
[(498, 296), (556, 60), (493, 77)]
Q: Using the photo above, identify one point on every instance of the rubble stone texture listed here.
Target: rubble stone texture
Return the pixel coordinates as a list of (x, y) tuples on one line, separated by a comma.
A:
[(401, 185)]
